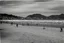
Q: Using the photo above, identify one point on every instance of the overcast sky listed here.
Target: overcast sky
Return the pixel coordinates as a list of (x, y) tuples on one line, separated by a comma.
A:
[(27, 7)]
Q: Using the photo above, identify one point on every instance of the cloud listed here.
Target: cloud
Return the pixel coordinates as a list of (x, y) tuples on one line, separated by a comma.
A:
[(35, 7), (28, 0), (4, 3), (29, 7), (59, 9), (42, 0), (16, 0)]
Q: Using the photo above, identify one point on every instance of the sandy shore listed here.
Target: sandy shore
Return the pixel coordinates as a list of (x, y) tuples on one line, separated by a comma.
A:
[(31, 34)]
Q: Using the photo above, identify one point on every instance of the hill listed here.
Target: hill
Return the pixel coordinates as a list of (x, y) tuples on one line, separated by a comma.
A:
[(42, 17), (56, 17), (35, 17), (4, 16)]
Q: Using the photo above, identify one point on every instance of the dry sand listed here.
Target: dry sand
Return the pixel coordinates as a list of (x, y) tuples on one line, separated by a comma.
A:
[(31, 34)]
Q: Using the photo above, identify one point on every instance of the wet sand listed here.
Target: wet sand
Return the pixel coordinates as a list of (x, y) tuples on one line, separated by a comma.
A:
[(31, 34)]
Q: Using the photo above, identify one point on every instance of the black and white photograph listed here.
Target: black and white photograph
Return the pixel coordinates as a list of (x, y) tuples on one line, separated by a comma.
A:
[(31, 21)]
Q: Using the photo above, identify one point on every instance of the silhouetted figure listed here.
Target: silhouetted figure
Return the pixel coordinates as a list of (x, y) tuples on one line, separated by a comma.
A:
[(44, 28), (0, 22), (27, 24), (61, 29), (16, 25), (11, 23)]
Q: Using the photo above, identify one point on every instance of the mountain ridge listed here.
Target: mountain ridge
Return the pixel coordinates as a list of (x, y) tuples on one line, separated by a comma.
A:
[(4, 16)]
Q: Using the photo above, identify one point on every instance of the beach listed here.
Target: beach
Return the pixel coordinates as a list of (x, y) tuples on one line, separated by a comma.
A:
[(31, 34)]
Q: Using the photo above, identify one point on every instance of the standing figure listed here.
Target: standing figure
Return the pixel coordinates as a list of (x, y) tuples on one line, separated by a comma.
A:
[(0, 22), (61, 29), (11, 23), (16, 25), (44, 28)]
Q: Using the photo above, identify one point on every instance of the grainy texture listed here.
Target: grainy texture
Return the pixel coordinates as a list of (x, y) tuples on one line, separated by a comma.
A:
[(32, 34)]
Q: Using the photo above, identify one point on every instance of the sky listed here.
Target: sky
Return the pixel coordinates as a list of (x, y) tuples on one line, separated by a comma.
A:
[(28, 7)]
